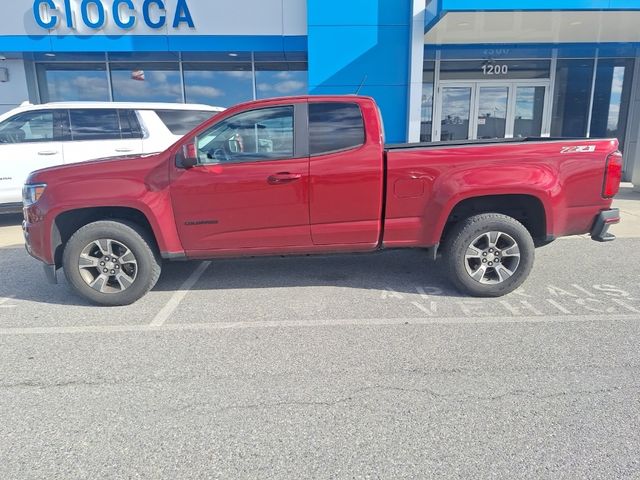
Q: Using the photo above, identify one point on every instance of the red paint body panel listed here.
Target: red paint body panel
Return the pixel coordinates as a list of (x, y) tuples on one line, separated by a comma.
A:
[(139, 183), (347, 190), (341, 202), (248, 211), (568, 185)]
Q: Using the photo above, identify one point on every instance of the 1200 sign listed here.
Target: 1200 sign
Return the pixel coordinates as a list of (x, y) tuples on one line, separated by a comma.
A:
[(491, 69)]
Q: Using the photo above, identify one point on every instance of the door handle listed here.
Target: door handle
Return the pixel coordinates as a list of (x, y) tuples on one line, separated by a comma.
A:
[(282, 178), (124, 150), (48, 153)]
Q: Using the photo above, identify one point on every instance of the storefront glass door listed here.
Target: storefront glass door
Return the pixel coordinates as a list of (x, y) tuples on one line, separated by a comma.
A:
[(493, 102), (529, 111), (486, 110), (455, 112)]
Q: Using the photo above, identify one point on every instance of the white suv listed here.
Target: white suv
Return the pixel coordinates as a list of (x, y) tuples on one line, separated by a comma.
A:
[(39, 136)]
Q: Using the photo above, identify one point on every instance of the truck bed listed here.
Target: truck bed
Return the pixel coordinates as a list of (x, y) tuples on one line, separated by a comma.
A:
[(426, 181)]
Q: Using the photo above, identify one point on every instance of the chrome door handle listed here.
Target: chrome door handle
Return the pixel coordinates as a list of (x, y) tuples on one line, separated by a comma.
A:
[(48, 152), (124, 150)]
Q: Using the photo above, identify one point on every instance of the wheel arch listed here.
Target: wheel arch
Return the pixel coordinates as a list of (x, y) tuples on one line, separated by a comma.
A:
[(68, 222), (526, 208)]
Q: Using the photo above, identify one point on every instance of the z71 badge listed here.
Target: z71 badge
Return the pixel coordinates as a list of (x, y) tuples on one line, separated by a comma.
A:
[(579, 149)]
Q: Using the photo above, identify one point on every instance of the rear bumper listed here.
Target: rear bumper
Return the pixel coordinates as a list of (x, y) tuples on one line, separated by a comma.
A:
[(600, 230)]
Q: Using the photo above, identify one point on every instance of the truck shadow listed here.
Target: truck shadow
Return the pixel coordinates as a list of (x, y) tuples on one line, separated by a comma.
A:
[(10, 219), (401, 271)]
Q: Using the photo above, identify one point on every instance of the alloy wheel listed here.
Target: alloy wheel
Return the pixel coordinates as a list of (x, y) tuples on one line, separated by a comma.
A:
[(492, 258), (108, 266)]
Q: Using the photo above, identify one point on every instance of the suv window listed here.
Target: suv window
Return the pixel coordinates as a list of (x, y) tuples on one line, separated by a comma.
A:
[(263, 134), (334, 127), (180, 122), (29, 127), (94, 124), (129, 124)]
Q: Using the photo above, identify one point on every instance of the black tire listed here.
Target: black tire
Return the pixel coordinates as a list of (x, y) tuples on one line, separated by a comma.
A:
[(147, 267), (459, 267)]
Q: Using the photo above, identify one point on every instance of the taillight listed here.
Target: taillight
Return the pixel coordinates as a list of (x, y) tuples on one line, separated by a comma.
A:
[(612, 175)]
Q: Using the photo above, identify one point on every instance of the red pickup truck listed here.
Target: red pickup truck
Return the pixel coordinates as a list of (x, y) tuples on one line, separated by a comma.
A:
[(305, 175)]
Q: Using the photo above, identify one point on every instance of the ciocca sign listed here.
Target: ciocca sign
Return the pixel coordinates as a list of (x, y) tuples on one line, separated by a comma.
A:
[(123, 14)]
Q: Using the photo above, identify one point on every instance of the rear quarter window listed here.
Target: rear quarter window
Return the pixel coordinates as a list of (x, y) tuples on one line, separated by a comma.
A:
[(129, 124), (334, 127), (180, 122)]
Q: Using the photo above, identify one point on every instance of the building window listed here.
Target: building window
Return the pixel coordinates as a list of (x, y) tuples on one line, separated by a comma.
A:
[(73, 82), (611, 98), (278, 79), (572, 97), (214, 78), (146, 82), (426, 102), (218, 83)]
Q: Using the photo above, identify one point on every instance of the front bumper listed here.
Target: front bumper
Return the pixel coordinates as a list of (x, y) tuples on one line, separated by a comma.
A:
[(49, 270), (600, 230)]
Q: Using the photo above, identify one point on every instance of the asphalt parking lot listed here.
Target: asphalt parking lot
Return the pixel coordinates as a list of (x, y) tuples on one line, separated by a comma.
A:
[(355, 366)]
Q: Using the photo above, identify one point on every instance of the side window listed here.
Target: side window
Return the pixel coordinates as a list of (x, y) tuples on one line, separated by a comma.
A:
[(334, 127), (29, 127), (180, 122), (263, 134), (94, 124), (129, 124)]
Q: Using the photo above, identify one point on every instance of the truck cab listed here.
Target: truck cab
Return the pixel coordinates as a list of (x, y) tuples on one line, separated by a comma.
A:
[(303, 175)]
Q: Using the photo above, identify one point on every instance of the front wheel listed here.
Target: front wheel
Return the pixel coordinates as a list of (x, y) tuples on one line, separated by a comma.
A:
[(111, 263), (489, 255)]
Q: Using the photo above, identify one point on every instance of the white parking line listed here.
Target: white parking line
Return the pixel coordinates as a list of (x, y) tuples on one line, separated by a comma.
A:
[(184, 327), (3, 301), (164, 314)]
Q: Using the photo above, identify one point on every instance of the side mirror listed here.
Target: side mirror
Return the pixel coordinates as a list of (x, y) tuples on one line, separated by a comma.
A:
[(187, 156)]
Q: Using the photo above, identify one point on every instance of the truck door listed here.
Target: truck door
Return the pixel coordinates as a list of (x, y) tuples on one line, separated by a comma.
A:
[(346, 167), (250, 189)]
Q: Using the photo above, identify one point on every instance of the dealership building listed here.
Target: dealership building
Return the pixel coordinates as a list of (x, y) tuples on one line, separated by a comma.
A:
[(439, 69)]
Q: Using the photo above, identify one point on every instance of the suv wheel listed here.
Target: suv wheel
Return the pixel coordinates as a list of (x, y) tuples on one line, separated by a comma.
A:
[(489, 255), (111, 263)]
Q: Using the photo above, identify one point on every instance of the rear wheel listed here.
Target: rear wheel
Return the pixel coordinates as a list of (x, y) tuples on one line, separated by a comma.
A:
[(111, 263), (489, 255)]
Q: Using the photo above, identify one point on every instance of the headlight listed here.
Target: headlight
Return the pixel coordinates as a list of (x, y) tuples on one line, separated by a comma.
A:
[(32, 193)]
